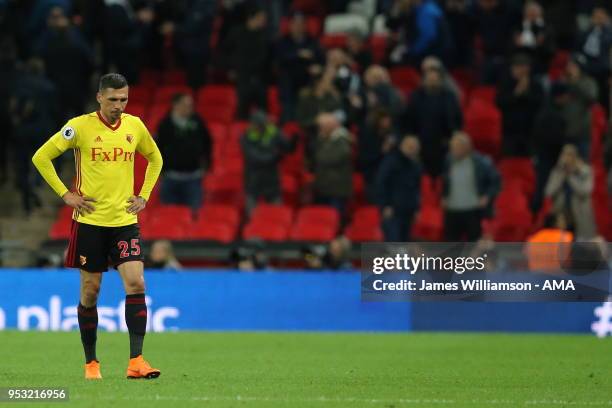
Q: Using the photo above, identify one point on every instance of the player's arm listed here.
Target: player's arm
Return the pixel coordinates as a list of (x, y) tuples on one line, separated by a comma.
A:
[(42, 160), (148, 148)]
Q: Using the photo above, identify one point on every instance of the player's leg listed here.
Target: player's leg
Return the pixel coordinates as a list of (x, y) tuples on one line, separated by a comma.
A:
[(87, 252), (128, 259), (88, 312), (132, 274)]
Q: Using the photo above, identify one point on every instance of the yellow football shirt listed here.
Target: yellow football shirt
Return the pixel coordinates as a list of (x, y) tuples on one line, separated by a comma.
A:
[(104, 159)]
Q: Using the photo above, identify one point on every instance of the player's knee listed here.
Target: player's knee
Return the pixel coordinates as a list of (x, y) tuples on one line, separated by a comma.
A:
[(135, 286), (91, 289)]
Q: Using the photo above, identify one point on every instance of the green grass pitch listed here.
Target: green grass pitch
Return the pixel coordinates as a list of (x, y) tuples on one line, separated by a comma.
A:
[(319, 370)]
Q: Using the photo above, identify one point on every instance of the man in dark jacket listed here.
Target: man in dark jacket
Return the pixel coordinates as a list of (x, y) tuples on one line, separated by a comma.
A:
[(470, 185), (595, 44), (249, 49), (333, 169), (185, 144), (263, 147), (519, 99), (69, 61), (433, 114), (399, 186), (549, 136), (299, 57)]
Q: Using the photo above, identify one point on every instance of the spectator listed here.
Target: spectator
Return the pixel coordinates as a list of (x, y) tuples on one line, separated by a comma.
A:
[(333, 170), (432, 62), (69, 62), (162, 256), (595, 44), (582, 95), (249, 55), (470, 185), (494, 22), (519, 98), (461, 26), (124, 36), (185, 144), (399, 185), (191, 37), (608, 162), (263, 147), (299, 58), (357, 50), (33, 110), (534, 37), (377, 137), (570, 186), (433, 115), (421, 30), (549, 136), (250, 257), (548, 248), (334, 256), (321, 97), (380, 92), (348, 82)]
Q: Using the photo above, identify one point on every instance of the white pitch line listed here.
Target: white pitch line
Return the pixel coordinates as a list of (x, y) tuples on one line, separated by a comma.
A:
[(402, 401)]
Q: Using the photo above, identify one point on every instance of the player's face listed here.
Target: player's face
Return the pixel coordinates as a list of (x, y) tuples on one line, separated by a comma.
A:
[(112, 102)]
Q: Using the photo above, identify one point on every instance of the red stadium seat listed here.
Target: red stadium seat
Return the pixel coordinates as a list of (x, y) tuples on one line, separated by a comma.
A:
[(174, 77), (217, 95), (271, 214), (216, 113), (518, 170), (156, 114), (274, 105), (483, 124), (364, 233), (406, 79), (224, 188), (140, 94), (61, 228), (177, 214), (137, 109), (213, 231), (366, 216), (378, 47), (484, 93), (162, 230), (429, 224), (226, 214), (318, 215), (329, 41), (164, 94), (290, 189), (313, 232)]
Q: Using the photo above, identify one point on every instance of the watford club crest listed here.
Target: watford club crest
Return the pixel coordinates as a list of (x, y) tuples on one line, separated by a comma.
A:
[(129, 138), (83, 259)]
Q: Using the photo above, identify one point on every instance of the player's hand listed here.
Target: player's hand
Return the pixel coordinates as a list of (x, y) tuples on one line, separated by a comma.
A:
[(137, 204), (78, 202)]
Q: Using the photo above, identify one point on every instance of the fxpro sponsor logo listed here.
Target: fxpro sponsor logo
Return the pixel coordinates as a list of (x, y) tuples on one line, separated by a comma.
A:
[(55, 316)]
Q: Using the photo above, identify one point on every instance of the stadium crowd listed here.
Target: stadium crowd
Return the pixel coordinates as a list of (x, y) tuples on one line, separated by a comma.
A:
[(454, 118)]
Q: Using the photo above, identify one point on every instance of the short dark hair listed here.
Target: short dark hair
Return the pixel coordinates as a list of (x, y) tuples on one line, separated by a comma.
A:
[(177, 97), (114, 81)]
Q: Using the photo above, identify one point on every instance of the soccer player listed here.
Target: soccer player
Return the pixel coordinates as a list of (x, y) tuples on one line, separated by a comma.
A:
[(104, 226)]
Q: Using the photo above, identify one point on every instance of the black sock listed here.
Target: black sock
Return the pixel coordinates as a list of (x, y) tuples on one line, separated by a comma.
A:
[(136, 320), (88, 324)]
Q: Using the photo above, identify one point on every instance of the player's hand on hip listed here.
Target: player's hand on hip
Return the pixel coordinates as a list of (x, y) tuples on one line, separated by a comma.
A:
[(80, 203), (137, 204)]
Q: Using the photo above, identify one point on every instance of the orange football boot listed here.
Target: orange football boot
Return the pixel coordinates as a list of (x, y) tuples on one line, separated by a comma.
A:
[(92, 370), (139, 368)]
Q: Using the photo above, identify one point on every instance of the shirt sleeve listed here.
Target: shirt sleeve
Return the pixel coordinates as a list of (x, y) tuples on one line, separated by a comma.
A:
[(63, 140), (148, 148)]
